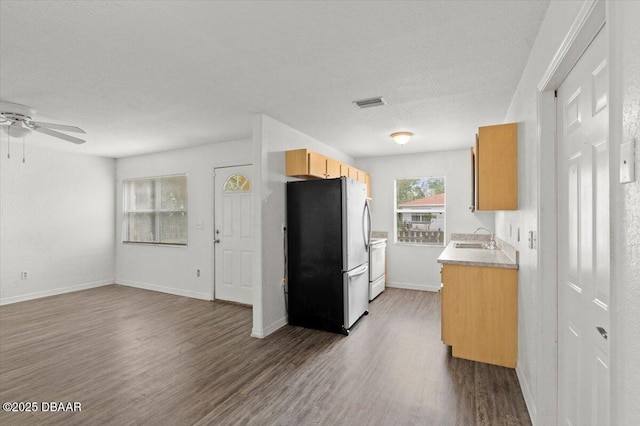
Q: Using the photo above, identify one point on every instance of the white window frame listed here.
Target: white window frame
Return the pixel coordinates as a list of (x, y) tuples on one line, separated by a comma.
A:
[(156, 210), (421, 212)]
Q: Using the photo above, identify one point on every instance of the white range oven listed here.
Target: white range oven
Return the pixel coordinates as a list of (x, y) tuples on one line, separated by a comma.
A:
[(377, 276)]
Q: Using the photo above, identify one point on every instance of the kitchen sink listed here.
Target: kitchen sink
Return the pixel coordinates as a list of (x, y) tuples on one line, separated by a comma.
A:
[(472, 245)]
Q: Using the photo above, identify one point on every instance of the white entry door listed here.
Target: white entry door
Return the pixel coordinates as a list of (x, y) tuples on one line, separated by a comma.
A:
[(583, 240), (233, 234)]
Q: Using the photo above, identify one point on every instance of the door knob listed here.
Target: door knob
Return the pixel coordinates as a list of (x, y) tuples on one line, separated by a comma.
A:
[(216, 241), (602, 332)]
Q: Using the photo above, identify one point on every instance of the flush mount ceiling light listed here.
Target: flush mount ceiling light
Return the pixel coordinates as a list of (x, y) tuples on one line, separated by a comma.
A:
[(401, 138)]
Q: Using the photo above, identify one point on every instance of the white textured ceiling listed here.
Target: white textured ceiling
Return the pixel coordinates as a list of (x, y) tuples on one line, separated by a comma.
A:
[(146, 76)]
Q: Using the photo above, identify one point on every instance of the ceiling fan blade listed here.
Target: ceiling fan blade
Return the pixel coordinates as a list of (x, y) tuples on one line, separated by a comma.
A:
[(58, 127), (57, 134)]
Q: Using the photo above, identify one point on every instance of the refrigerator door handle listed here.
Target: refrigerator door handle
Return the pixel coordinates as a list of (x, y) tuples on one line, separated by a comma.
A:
[(366, 230), (370, 223), (358, 271)]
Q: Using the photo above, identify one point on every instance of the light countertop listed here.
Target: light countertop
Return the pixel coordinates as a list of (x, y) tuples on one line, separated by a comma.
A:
[(497, 258)]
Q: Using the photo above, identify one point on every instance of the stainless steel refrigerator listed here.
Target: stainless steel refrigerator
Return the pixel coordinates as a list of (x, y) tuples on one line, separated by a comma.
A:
[(328, 237)]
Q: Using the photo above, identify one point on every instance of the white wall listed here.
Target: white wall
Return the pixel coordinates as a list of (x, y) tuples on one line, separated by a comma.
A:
[(624, 77), (56, 222), (523, 110), (270, 141), (173, 269), (416, 267), (536, 354)]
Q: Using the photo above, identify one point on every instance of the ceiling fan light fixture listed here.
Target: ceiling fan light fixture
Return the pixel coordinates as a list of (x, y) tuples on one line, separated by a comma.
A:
[(18, 130), (21, 124), (401, 138)]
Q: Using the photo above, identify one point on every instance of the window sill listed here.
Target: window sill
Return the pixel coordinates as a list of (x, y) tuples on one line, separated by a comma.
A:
[(443, 245), (142, 243)]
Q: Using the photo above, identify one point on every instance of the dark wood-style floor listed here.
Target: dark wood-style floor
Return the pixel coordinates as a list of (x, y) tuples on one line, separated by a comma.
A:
[(133, 356)]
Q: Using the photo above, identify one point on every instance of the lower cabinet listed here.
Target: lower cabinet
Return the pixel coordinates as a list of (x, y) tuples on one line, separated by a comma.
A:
[(479, 307)]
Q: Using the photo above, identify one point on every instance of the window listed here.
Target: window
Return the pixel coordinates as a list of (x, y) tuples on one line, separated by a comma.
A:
[(236, 183), (155, 210), (420, 211)]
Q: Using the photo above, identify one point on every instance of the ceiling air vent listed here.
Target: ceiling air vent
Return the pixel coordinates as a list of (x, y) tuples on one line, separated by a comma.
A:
[(371, 102)]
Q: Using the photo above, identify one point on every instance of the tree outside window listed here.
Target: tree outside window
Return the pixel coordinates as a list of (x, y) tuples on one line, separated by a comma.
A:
[(420, 211)]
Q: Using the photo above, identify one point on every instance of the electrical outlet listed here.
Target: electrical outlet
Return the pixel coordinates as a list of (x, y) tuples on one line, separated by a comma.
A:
[(197, 272), (24, 275)]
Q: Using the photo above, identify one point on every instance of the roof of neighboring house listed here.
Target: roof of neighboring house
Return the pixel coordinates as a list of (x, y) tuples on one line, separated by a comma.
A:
[(433, 200)]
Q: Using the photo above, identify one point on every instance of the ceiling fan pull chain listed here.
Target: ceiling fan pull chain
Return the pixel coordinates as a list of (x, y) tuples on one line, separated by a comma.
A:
[(23, 160), (8, 146)]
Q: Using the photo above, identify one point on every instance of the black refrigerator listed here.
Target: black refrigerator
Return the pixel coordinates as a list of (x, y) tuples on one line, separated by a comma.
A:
[(328, 237)]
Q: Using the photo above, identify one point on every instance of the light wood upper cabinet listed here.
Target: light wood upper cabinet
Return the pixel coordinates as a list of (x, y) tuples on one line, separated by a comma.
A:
[(306, 164), (298, 163), (367, 179), (496, 167), (332, 168), (480, 313), (345, 170), (317, 165), (352, 172)]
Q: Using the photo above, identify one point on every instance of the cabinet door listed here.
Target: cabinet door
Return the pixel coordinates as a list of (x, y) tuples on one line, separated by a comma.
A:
[(317, 164), (449, 311), (480, 313), (367, 179), (497, 167), (474, 189), (332, 168), (297, 162), (344, 170), (444, 322)]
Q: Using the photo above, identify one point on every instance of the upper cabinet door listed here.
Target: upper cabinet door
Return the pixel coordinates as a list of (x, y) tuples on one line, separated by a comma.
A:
[(297, 163), (332, 168), (317, 165), (367, 179), (496, 171), (344, 170)]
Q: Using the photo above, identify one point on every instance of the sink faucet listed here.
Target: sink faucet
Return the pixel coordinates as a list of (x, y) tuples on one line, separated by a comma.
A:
[(492, 241)]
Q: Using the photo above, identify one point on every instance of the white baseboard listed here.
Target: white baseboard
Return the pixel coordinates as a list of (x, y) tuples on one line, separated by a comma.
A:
[(260, 334), (422, 287), (162, 289), (526, 393), (54, 292)]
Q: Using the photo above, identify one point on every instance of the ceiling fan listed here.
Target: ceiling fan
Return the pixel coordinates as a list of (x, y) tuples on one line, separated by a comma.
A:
[(18, 122)]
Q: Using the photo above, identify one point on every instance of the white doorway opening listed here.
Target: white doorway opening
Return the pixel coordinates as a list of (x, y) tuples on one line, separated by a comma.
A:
[(586, 26)]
